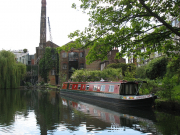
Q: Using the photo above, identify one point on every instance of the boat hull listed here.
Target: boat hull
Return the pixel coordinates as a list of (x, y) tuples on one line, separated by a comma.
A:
[(112, 99)]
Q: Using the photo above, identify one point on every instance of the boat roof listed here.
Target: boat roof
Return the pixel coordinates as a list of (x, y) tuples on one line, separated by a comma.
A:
[(106, 82)]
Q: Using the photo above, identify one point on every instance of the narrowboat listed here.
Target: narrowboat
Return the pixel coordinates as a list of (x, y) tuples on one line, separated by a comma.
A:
[(120, 94)]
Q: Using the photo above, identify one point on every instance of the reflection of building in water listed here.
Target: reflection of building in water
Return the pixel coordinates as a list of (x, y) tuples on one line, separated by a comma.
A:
[(115, 119)]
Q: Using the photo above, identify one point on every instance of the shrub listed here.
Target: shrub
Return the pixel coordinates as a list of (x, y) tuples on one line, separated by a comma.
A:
[(125, 67), (141, 72), (156, 68), (173, 68), (96, 75), (167, 86)]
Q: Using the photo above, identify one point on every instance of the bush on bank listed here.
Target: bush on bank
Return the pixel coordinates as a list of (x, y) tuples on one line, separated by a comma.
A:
[(130, 67), (163, 77), (109, 74), (156, 68)]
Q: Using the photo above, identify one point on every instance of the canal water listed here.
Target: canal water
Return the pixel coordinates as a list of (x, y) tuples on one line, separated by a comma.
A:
[(35, 112)]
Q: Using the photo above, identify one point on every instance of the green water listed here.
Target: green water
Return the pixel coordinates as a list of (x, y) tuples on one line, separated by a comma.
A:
[(35, 112)]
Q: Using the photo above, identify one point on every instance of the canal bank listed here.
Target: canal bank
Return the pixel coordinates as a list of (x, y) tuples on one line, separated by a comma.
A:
[(167, 106)]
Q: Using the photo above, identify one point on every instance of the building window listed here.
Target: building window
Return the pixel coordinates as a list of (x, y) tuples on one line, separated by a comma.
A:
[(73, 56), (82, 54), (81, 65), (64, 66), (95, 88), (87, 87), (64, 54), (53, 72), (111, 88), (102, 88)]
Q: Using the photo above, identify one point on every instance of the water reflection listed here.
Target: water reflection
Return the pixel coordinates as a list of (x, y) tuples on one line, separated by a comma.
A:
[(49, 112), (110, 119)]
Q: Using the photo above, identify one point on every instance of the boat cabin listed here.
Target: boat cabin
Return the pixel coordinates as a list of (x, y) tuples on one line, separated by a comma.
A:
[(121, 88)]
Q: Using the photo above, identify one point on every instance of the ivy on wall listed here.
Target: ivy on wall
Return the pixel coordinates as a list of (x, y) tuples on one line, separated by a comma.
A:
[(48, 62)]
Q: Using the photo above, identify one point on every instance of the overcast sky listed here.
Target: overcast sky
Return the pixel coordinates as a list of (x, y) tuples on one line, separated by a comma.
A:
[(20, 22)]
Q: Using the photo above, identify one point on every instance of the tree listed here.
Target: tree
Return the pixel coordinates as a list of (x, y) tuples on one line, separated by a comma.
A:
[(130, 25), (48, 62), (11, 72), (25, 50)]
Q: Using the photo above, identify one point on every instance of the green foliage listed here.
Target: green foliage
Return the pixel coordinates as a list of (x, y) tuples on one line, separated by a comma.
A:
[(96, 75), (171, 81), (173, 67), (163, 126), (48, 62), (129, 25), (168, 84), (28, 84), (11, 102), (141, 72), (156, 68), (177, 93), (169, 88), (152, 85), (63, 78), (129, 75), (130, 67), (11, 72), (25, 50)]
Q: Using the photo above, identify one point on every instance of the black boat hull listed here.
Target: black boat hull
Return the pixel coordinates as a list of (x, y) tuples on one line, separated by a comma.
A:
[(109, 100)]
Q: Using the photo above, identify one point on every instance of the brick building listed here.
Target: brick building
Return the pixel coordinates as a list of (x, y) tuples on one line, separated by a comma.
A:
[(75, 59)]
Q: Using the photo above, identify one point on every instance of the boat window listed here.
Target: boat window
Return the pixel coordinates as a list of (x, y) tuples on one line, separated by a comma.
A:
[(70, 87), (129, 89), (79, 86), (102, 88), (95, 88), (111, 88), (87, 87)]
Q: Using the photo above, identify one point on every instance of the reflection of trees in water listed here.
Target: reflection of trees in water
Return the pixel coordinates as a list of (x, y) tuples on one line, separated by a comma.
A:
[(47, 111), (20, 102), (168, 124), (11, 101)]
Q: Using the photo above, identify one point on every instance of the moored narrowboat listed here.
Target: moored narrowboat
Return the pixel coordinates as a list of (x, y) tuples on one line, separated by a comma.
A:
[(121, 94)]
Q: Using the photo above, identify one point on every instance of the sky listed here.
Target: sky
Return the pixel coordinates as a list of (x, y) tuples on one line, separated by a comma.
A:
[(20, 23)]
